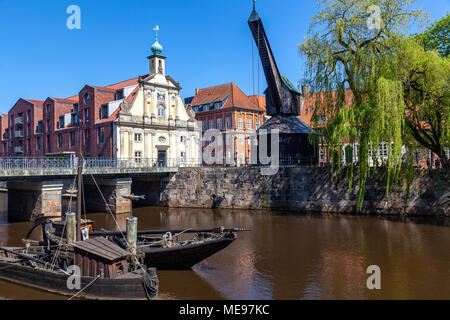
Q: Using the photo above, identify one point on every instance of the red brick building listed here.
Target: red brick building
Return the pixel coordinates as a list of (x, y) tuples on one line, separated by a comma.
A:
[(423, 158), (3, 134), (227, 109), (22, 124), (51, 128)]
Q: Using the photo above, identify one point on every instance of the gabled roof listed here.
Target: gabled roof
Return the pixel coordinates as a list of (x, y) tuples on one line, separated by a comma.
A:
[(230, 93), (104, 88), (66, 100), (114, 87), (36, 102), (126, 83)]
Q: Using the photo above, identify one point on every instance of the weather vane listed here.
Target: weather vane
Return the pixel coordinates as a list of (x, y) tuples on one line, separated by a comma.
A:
[(156, 28)]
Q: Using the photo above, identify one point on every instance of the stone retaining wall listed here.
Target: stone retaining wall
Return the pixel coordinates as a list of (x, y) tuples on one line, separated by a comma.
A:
[(305, 190)]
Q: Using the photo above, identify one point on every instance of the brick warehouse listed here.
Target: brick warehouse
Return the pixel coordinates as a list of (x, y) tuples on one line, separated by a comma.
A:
[(226, 108), (140, 118), (44, 128)]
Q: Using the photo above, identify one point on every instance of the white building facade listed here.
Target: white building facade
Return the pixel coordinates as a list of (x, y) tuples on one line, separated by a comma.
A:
[(153, 125)]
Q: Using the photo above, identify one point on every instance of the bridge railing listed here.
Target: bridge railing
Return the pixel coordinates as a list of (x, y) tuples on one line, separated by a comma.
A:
[(92, 163), (36, 163)]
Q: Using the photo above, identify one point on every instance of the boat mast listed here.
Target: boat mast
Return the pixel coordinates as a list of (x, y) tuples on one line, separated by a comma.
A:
[(79, 180)]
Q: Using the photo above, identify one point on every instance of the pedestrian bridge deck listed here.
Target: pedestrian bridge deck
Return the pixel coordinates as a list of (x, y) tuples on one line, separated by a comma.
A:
[(27, 168)]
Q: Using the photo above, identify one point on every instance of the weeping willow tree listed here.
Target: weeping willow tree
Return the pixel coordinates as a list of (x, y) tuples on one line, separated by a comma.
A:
[(346, 49)]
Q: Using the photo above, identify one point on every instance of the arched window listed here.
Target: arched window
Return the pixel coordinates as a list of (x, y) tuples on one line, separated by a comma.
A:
[(161, 111)]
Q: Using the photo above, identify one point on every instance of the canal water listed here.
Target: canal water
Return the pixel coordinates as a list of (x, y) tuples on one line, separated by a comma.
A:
[(290, 256)]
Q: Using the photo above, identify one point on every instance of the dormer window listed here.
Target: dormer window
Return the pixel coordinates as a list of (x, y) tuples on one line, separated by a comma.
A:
[(119, 94), (104, 111)]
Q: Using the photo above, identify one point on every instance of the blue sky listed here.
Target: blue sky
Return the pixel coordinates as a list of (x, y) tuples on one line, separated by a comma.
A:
[(207, 42)]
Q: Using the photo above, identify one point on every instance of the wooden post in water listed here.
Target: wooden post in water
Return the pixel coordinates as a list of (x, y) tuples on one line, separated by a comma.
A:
[(132, 233), (71, 226)]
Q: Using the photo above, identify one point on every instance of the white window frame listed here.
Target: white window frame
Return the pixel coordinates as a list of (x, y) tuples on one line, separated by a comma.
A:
[(162, 108), (240, 123), (138, 137), (138, 157), (228, 123)]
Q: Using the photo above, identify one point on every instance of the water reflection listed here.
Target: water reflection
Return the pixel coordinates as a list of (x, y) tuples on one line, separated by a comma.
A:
[(296, 256), (3, 208)]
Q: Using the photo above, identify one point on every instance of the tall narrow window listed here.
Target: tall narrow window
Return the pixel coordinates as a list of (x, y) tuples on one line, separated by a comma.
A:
[(249, 123), (161, 111), (60, 141), (228, 123), (72, 139), (86, 115), (101, 135), (240, 123), (219, 124), (256, 123), (86, 137)]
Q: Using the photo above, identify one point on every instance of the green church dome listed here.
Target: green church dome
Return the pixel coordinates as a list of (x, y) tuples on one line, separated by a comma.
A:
[(157, 48)]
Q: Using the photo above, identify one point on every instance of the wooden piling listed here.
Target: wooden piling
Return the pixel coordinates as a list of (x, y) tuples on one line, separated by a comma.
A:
[(71, 226), (132, 233)]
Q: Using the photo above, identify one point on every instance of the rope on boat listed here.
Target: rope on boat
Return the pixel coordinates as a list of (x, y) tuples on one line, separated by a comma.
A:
[(58, 250), (118, 227), (166, 239), (96, 278)]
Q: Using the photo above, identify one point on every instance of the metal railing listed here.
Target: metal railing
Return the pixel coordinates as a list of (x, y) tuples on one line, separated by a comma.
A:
[(35, 163), (91, 163)]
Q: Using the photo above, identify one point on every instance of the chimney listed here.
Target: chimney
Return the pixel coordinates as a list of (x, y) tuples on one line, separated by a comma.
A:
[(305, 91), (197, 91)]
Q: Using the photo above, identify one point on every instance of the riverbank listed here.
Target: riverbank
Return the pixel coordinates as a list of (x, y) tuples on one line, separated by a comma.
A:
[(305, 189)]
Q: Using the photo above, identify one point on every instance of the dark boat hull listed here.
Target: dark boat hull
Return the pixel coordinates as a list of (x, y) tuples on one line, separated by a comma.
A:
[(129, 288), (183, 257)]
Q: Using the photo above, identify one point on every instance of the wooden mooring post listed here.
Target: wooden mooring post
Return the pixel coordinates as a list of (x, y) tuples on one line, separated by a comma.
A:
[(71, 228), (132, 233)]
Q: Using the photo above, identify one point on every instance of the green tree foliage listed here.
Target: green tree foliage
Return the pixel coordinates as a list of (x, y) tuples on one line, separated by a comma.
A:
[(437, 37), (349, 50), (425, 83)]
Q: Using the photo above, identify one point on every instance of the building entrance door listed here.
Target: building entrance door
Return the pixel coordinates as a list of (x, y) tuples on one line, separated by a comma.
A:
[(162, 158)]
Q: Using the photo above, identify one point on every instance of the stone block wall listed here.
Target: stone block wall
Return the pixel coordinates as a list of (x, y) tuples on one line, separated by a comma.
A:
[(306, 190)]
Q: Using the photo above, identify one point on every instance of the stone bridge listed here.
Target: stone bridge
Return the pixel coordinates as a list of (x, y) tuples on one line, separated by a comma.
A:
[(38, 186)]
